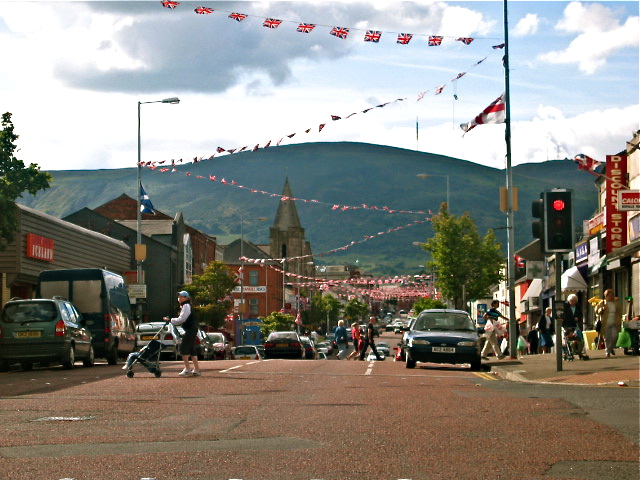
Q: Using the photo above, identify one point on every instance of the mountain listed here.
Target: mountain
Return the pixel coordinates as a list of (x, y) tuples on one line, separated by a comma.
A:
[(343, 174)]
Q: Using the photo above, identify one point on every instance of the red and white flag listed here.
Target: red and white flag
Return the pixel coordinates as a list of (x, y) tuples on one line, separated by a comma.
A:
[(586, 163), (494, 113), (404, 38)]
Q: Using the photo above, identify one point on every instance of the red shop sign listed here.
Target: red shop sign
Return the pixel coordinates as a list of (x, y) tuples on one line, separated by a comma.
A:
[(40, 248)]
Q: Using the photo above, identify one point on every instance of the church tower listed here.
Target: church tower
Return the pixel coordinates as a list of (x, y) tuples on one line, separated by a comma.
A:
[(286, 236)]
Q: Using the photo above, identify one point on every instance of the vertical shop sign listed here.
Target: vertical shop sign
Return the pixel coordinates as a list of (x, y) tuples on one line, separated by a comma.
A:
[(616, 218)]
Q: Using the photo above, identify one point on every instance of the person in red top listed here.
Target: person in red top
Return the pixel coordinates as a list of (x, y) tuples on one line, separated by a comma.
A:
[(355, 335)]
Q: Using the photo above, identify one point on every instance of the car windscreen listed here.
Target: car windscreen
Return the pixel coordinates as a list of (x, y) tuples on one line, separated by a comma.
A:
[(283, 336), (444, 321), (150, 327), (29, 312), (245, 351), (216, 337)]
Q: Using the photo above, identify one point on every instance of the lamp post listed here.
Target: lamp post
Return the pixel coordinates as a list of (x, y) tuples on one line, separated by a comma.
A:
[(422, 176), (139, 255), (241, 309)]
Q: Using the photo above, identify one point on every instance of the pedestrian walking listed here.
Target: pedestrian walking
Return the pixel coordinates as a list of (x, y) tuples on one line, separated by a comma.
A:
[(609, 313), (187, 320), (355, 336), (532, 338), (546, 330), (368, 341), (341, 339), (492, 329)]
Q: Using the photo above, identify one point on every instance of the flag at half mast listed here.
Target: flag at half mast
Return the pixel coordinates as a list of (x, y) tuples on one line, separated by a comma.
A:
[(494, 113)]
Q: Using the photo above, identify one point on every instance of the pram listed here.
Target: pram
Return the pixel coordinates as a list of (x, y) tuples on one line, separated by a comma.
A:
[(148, 356), (573, 344)]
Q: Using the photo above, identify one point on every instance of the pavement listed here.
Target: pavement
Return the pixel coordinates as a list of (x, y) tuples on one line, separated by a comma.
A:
[(618, 370)]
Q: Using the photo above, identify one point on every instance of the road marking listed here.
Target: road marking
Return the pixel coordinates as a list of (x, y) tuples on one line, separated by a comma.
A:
[(370, 368), (230, 368), (485, 376)]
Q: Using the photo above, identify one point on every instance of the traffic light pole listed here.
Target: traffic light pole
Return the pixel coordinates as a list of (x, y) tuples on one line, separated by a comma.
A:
[(558, 310), (511, 265)]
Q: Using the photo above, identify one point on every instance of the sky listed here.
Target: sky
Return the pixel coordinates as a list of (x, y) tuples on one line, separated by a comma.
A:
[(73, 73)]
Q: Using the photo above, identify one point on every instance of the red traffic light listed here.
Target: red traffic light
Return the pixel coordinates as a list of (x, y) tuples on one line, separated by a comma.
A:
[(558, 205)]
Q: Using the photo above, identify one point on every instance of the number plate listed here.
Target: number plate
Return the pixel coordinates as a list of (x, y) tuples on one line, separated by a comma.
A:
[(146, 337), (282, 345), (29, 334), (443, 349)]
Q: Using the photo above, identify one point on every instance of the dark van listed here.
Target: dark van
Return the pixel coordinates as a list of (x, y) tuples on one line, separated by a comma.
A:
[(101, 297)]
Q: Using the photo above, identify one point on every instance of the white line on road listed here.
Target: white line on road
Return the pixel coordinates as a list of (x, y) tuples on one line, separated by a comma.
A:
[(370, 368)]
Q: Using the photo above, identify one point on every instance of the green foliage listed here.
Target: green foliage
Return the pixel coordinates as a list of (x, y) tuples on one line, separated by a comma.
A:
[(276, 322), (355, 310), (466, 265), (211, 293), (15, 179), (427, 304)]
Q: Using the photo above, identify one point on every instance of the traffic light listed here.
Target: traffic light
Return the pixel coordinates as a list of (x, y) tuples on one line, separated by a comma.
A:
[(537, 227), (558, 221)]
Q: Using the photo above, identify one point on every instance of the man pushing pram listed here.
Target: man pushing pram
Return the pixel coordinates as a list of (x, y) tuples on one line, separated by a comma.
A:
[(572, 338)]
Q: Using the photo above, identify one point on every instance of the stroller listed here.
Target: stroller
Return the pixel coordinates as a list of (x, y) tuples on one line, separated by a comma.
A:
[(148, 356), (573, 344)]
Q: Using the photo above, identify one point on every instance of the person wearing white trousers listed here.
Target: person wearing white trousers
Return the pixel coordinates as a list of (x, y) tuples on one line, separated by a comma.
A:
[(610, 313)]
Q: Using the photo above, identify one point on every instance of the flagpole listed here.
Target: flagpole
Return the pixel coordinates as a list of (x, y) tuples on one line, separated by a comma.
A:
[(511, 268)]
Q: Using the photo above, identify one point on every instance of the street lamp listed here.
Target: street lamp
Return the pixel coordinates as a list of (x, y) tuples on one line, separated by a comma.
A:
[(422, 176), (241, 309), (139, 256)]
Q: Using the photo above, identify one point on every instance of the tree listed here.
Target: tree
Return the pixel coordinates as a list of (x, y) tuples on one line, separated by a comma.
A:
[(427, 303), (355, 310), (15, 179), (276, 322), (211, 293), (466, 265)]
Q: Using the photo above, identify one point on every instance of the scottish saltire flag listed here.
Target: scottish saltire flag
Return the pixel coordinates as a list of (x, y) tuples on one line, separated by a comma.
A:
[(145, 204)]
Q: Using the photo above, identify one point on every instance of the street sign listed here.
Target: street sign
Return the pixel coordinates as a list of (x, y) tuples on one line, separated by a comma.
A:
[(628, 200), (137, 290)]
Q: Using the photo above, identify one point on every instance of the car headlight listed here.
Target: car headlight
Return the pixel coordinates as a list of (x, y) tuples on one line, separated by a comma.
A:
[(419, 341), (467, 344)]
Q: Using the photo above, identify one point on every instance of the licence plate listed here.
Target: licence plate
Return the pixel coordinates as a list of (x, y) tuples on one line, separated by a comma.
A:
[(29, 334), (282, 345), (146, 337), (443, 349)]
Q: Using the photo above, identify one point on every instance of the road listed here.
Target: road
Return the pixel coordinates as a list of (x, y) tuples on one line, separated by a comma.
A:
[(293, 419)]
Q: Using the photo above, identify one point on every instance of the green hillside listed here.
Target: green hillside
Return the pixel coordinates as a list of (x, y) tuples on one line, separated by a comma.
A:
[(344, 174)]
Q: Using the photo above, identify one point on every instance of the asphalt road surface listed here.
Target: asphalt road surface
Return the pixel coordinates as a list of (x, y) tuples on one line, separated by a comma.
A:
[(304, 419)]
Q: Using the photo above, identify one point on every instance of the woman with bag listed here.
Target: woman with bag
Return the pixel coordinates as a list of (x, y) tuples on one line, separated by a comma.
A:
[(609, 313), (492, 330)]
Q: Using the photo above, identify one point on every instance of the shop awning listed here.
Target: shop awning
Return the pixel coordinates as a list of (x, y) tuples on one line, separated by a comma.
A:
[(573, 281), (534, 289)]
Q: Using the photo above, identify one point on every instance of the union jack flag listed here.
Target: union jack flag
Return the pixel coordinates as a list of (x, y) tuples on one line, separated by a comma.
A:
[(372, 36), (460, 75), (439, 89), (272, 23), (203, 10), (404, 38), (170, 4), (238, 17), (465, 40), (586, 163), (434, 40), (519, 261), (339, 32), (497, 47), (306, 27)]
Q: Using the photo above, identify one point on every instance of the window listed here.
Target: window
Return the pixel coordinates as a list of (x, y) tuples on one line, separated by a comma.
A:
[(254, 306), (253, 278)]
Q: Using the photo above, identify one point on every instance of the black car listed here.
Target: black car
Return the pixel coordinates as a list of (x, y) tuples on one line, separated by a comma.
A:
[(283, 345), (442, 336)]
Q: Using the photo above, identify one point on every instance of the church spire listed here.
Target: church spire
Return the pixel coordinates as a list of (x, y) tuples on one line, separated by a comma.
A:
[(287, 214)]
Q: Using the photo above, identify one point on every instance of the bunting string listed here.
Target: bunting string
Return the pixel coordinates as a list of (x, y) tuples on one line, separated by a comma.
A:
[(369, 36)]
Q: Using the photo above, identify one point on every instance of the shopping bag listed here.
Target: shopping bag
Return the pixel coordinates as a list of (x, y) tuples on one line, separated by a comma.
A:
[(624, 339)]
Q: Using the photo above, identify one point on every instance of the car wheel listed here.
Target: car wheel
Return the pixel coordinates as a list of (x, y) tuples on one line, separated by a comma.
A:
[(90, 358), (26, 365), (476, 365), (112, 355), (409, 362), (70, 358)]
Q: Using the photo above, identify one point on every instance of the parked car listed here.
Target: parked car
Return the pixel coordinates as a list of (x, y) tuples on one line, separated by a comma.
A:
[(283, 345), (322, 356), (247, 352), (221, 346), (204, 346), (161, 331), (310, 352), (383, 348), (43, 330), (442, 336), (324, 347)]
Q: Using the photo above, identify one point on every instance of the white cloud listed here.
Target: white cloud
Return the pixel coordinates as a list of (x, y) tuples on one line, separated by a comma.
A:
[(528, 25), (600, 36)]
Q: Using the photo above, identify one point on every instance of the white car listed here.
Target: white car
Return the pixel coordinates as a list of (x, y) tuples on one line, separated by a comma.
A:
[(383, 349), (247, 352), (167, 334)]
